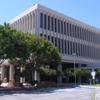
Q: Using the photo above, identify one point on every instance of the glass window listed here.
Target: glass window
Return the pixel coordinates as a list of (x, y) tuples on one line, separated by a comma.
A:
[(52, 39), (48, 37), (61, 27), (59, 44), (58, 26), (75, 32), (48, 22), (65, 47), (52, 23), (55, 41), (71, 49), (68, 29), (41, 21), (62, 45), (45, 21), (68, 46)]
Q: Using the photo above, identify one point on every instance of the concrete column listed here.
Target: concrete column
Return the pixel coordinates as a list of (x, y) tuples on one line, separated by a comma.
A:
[(59, 80), (79, 77), (2, 72), (11, 73), (35, 75), (22, 79)]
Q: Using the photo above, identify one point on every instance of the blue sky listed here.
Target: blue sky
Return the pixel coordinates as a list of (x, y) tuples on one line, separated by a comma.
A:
[(87, 11)]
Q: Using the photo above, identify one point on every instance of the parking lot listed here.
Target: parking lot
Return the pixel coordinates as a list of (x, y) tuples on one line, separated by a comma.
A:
[(51, 94)]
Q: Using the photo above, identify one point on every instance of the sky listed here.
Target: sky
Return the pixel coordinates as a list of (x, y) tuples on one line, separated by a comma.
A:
[(87, 11)]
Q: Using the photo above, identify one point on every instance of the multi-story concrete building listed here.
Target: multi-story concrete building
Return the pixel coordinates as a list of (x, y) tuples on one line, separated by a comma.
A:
[(77, 42)]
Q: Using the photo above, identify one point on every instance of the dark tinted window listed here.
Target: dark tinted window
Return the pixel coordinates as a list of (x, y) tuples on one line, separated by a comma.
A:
[(55, 41), (59, 44), (68, 29), (65, 28), (52, 23), (41, 21), (61, 27), (48, 22), (65, 47), (62, 45), (44, 21), (52, 39), (58, 26), (68, 46)]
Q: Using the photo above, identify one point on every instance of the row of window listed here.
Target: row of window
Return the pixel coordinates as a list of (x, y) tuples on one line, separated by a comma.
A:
[(69, 47), (59, 26)]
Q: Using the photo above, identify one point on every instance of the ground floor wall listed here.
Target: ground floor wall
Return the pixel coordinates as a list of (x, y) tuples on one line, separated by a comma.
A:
[(10, 73)]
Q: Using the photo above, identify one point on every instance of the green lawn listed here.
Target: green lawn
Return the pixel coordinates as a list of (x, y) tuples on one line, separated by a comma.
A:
[(98, 85)]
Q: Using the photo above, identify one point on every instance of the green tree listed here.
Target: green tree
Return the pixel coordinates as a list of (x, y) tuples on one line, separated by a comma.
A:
[(79, 72), (68, 72), (43, 52), (87, 72), (14, 45), (47, 72), (60, 73), (26, 49), (98, 71)]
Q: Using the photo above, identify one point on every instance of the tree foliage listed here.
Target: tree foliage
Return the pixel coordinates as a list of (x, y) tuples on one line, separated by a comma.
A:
[(60, 73), (13, 44), (68, 72), (27, 49), (47, 72), (79, 72), (98, 71), (87, 72)]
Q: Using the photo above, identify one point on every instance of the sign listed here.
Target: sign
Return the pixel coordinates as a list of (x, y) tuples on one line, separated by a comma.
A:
[(93, 73), (92, 69)]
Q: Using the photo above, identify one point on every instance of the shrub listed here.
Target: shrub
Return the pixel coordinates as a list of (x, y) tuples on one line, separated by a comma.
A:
[(33, 82)]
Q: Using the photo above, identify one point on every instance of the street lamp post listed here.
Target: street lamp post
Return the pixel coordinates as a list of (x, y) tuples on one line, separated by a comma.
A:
[(74, 67)]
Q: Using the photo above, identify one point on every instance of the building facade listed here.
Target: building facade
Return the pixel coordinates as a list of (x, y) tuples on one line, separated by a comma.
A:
[(75, 40)]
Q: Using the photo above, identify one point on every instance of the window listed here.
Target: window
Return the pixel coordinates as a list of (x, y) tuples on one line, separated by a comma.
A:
[(41, 21), (68, 29), (48, 37), (45, 21), (58, 26), (55, 41), (68, 46), (61, 27), (73, 47), (52, 39), (62, 45), (48, 22), (59, 44), (65, 28), (52, 23), (75, 32), (65, 47)]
